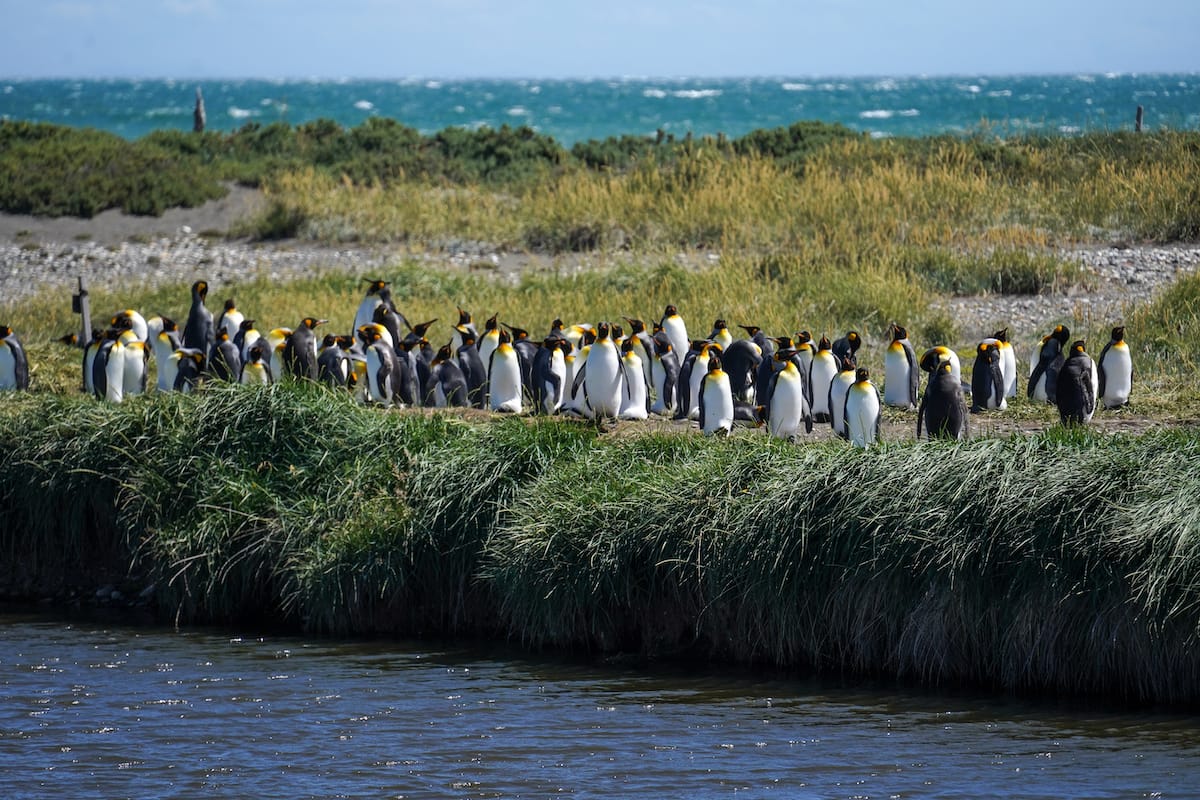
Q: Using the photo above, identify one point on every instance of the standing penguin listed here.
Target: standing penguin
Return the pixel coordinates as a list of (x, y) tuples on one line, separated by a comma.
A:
[(164, 344), (137, 356), (721, 335), (245, 338), (14, 365), (1008, 362), (635, 397), (806, 351), (446, 387), (224, 361), (943, 408), (932, 359), (377, 294), (300, 351), (189, 369), (230, 318), (848, 346), (1043, 377), (504, 387), (741, 360), (789, 401), (864, 411), (198, 333), (489, 340), (549, 374), (255, 369), (838, 390), (676, 330), (108, 368), (1115, 369), (333, 361), (602, 377), (716, 399), (381, 367), (900, 375), (137, 324), (473, 369), (1077, 387), (824, 370), (664, 375), (987, 380)]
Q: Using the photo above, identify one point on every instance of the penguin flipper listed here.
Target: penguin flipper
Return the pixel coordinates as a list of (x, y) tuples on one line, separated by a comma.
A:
[(921, 411), (1089, 399), (1101, 373), (914, 375), (997, 383), (703, 381)]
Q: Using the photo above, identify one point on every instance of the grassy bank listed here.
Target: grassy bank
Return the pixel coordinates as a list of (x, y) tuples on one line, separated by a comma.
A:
[(1058, 562)]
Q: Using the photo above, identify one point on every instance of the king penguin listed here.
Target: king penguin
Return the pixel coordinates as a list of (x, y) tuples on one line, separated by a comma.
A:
[(137, 357), (987, 379), (848, 346), (664, 375), (824, 370), (1077, 387), (381, 367), (864, 412), (900, 375), (721, 335), (446, 387), (789, 402), (198, 331), (333, 362), (943, 408), (1115, 369), (550, 375), (255, 370), (602, 377), (839, 388), (1043, 375), (716, 399), (489, 340), (166, 342), (137, 324), (224, 361), (108, 368), (504, 388), (741, 359), (932, 359), (635, 397), (1008, 362), (300, 352), (230, 318), (473, 369), (377, 294), (676, 330), (14, 365)]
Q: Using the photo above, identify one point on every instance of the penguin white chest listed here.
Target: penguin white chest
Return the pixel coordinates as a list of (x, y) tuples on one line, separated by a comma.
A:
[(504, 393), (862, 414), (787, 405), (1118, 375), (716, 412)]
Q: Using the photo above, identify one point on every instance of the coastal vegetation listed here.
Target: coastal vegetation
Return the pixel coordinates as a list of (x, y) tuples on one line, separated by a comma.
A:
[(1057, 562)]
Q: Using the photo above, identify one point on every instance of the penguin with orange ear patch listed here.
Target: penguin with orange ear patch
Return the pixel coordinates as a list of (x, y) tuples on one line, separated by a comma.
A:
[(1077, 387), (14, 365)]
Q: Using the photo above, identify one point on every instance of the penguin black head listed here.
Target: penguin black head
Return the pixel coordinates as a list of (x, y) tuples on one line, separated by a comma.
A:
[(1062, 333), (627, 345), (1078, 348), (312, 322), (5, 331), (200, 289), (783, 342), (855, 341), (714, 363), (443, 353), (1001, 335), (931, 359), (70, 339), (602, 331), (229, 304), (636, 326), (491, 324), (1118, 333), (803, 337), (862, 375), (256, 353), (670, 311), (847, 364), (824, 344), (517, 333), (422, 328), (662, 345), (589, 336), (718, 326), (714, 349), (944, 368), (221, 335), (556, 326), (898, 332), (345, 342), (247, 325), (751, 330), (329, 340), (464, 317), (505, 337), (374, 285), (784, 355)]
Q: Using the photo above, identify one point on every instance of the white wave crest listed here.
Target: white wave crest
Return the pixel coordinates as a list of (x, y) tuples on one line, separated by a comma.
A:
[(876, 113), (242, 113), (657, 94), (364, 105), (696, 94), (796, 87), (517, 111)]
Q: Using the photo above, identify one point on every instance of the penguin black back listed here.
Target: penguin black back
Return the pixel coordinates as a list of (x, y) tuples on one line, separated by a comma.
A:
[(1076, 386), (943, 408), (198, 333)]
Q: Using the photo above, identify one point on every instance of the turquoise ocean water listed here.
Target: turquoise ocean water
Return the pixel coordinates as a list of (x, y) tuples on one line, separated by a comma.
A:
[(579, 110)]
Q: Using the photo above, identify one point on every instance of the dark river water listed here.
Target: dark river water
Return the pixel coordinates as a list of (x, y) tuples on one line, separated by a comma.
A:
[(107, 711)]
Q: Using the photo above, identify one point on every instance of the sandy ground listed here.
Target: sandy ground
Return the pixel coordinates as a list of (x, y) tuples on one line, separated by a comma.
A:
[(113, 226)]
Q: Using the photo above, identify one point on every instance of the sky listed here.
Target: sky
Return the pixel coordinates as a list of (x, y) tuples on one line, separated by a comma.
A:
[(609, 38)]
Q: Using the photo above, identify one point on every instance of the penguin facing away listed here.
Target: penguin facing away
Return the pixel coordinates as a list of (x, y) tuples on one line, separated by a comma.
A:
[(1115, 370), (943, 408), (864, 410), (1043, 378), (198, 333), (932, 359), (987, 380), (664, 375), (848, 346), (446, 386), (1008, 362), (1077, 387), (14, 364)]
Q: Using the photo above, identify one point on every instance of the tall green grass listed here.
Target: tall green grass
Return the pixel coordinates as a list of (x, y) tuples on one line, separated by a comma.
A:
[(1062, 561)]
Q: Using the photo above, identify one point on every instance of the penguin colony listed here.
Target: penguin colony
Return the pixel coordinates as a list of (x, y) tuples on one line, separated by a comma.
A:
[(602, 372)]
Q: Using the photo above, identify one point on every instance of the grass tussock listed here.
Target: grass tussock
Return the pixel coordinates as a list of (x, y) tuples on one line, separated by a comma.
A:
[(1063, 561)]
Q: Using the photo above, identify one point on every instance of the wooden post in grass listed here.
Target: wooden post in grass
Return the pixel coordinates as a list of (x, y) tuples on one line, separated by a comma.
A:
[(1137, 121), (80, 305), (198, 116)]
